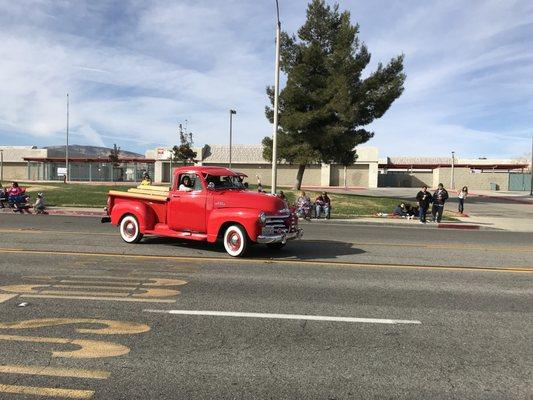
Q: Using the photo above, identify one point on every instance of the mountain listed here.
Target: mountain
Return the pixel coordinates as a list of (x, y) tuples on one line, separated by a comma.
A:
[(75, 150)]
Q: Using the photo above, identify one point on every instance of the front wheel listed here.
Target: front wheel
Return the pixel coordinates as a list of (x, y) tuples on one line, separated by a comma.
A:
[(235, 241), (129, 229)]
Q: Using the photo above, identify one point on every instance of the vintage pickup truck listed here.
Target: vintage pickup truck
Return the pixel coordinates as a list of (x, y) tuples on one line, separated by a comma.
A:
[(204, 203)]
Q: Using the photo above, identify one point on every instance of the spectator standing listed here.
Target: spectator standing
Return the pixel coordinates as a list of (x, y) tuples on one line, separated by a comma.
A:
[(423, 198), (439, 199), (323, 202), (462, 194)]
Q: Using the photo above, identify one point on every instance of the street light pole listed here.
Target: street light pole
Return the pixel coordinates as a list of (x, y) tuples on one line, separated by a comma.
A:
[(276, 96), (452, 183), (531, 169), (66, 148), (231, 112)]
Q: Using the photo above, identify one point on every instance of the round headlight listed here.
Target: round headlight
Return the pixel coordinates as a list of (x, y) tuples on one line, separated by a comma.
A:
[(262, 218)]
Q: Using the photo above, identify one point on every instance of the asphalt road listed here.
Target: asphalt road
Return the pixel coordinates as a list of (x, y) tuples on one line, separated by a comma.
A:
[(432, 314)]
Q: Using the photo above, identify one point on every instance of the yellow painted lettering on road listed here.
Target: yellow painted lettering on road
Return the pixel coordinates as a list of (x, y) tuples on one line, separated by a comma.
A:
[(88, 348), (165, 282), (97, 298), (47, 391), (51, 371), (5, 297), (111, 327), (156, 292)]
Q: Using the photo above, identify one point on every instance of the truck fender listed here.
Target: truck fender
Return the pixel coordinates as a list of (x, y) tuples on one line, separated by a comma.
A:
[(140, 210), (221, 217)]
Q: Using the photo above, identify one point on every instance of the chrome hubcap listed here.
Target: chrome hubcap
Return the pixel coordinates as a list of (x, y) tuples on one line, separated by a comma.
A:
[(129, 229), (234, 241)]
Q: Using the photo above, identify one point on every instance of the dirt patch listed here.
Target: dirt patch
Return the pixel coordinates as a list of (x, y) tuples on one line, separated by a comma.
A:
[(37, 188)]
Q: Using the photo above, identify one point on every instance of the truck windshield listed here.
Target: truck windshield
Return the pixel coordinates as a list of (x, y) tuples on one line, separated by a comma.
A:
[(225, 182)]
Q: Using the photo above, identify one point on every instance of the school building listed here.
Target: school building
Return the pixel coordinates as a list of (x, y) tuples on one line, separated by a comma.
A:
[(29, 163)]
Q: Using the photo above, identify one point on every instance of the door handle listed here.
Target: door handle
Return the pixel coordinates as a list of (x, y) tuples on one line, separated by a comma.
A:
[(175, 196)]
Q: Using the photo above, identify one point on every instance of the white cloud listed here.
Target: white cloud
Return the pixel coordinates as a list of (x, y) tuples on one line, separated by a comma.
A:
[(136, 69)]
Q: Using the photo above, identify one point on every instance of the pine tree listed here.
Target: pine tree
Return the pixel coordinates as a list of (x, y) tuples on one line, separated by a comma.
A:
[(326, 103)]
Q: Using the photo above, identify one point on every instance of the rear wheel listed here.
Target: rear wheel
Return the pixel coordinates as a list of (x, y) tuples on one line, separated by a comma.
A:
[(235, 241), (276, 246), (129, 229)]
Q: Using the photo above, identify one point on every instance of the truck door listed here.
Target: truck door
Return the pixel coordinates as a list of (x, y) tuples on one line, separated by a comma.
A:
[(187, 207)]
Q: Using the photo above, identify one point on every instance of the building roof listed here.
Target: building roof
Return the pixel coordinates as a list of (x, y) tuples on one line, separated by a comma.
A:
[(446, 162), (89, 159)]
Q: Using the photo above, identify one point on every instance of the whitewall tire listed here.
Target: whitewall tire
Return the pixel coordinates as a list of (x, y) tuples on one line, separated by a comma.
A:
[(235, 241), (129, 229)]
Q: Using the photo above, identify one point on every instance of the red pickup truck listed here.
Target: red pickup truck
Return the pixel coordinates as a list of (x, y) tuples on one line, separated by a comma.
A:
[(203, 204)]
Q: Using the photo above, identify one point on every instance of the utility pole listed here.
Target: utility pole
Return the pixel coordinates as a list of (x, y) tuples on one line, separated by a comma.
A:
[(276, 96), (1, 165), (66, 148), (231, 113), (531, 169), (452, 183)]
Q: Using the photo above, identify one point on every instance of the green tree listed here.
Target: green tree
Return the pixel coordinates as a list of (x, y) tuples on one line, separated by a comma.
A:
[(326, 102), (183, 153)]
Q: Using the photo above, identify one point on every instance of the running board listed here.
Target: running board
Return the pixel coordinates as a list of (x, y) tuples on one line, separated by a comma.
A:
[(164, 230)]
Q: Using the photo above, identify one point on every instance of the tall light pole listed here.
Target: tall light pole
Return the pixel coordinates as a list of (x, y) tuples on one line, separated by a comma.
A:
[(276, 96), (1, 165), (452, 183), (66, 148), (231, 112), (531, 169)]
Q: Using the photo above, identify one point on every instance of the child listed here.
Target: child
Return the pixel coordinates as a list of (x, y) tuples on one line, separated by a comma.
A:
[(39, 204)]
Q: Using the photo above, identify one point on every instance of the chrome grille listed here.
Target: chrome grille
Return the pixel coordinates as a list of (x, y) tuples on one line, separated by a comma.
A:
[(275, 224)]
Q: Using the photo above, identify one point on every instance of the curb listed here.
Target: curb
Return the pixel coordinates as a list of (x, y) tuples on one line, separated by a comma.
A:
[(458, 226), (505, 198)]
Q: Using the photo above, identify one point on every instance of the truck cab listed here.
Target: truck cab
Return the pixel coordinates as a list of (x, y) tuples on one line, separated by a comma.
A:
[(204, 204)]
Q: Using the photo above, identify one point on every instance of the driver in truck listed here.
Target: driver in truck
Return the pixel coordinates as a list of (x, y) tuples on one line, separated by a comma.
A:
[(186, 184)]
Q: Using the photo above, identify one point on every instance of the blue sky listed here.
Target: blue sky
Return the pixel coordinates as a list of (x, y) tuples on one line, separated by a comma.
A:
[(135, 69)]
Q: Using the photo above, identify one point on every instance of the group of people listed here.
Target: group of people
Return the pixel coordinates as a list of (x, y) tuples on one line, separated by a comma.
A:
[(321, 205), (18, 200), (437, 200)]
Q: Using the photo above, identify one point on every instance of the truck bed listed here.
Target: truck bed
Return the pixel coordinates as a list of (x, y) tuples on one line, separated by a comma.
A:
[(144, 192)]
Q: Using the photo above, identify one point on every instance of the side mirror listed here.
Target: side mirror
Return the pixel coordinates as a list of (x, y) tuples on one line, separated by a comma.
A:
[(211, 186)]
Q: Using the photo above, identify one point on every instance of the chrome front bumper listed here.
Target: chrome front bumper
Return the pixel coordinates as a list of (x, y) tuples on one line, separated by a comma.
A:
[(281, 238)]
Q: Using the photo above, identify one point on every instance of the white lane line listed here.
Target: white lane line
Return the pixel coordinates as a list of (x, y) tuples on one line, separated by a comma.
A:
[(285, 316)]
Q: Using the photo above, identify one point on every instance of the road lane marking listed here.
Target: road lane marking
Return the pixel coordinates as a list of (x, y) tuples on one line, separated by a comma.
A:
[(111, 327), (286, 261), (285, 316), (147, 292), (5, 297), (87, 348), (46, 391), (52, 371), (97, 298)]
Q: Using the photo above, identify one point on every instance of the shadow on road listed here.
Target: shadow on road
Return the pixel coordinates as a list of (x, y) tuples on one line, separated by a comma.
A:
[(297, 249)]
